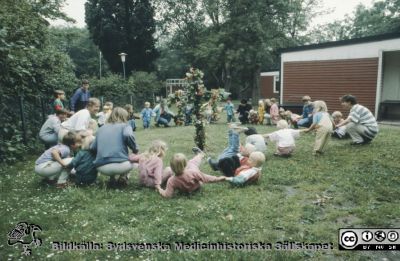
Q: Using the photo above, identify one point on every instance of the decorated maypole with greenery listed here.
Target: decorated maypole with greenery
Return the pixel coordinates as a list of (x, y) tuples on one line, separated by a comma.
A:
[(195, 91)]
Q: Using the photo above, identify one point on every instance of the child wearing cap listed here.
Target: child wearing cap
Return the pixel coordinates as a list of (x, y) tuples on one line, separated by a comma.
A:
[(305, 119)]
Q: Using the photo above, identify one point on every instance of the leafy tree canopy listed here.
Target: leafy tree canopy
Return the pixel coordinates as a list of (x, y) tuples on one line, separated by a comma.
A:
[(118, 26)]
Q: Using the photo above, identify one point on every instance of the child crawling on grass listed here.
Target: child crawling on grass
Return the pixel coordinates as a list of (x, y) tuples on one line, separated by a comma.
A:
[(151, 173), (188, 177), (284, 138), (251, 172)]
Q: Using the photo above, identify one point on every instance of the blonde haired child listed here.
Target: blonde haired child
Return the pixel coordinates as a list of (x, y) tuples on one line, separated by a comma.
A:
[(146, 115), (188, 177), (261, 112), (103, 115), (274, 111), (339, 132), (284, 138), (251, 172), (323, 125), (84, 169), (151, 172)]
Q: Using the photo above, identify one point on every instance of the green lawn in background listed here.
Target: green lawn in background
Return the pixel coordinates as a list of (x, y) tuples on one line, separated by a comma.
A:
[(355, 187)]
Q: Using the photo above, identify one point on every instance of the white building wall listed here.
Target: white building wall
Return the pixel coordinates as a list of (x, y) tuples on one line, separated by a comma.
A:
[(354, 51)]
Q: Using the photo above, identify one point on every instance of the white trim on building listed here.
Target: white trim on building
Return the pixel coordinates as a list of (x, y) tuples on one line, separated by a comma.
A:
[(354, 51)]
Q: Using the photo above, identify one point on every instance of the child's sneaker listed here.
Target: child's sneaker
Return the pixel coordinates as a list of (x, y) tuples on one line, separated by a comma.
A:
[(213, 164), (197, 150)]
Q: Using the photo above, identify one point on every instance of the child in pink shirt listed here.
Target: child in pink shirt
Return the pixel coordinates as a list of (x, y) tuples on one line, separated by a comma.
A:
[(151, 172), (274, 111), (188, 177)]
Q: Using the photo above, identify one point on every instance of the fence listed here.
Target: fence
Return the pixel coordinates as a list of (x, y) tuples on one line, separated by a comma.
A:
[(29, 113)]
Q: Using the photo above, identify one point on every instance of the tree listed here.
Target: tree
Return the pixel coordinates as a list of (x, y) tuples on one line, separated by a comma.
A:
[(29, 67), (123, 26), (231, 40), (382, 17), (77, 44)]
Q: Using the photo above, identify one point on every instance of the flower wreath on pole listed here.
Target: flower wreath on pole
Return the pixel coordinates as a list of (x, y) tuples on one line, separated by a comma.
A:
[(195, 94)]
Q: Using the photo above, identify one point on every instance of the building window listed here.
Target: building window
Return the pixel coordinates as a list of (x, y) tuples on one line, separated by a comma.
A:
[(277, 84)]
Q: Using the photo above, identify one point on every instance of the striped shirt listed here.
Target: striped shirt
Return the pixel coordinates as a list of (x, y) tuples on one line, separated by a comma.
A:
[(361, 115)]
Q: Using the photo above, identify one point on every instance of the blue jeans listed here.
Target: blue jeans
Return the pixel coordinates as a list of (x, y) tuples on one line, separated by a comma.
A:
[(304, 122), (164, 119), (146, 124), (233, 145), (230, 118)]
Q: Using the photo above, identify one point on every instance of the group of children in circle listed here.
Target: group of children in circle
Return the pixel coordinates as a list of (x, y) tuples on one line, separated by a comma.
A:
[(108, 146)]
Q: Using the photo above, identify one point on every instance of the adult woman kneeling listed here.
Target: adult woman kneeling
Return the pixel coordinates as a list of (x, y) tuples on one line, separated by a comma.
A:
[(111, 143)]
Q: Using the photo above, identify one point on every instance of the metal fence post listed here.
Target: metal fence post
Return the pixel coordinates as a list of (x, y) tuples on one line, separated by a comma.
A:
[(21, 107)]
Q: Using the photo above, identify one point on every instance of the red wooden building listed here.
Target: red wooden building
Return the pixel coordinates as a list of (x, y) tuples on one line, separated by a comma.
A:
[(368, 68), (269, 84)]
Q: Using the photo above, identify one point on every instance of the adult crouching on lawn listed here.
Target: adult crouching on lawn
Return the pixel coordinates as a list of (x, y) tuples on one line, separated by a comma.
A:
[(48, 134), (361, 124), (244, 110), (80, 121), (163, 114), (111, 144)]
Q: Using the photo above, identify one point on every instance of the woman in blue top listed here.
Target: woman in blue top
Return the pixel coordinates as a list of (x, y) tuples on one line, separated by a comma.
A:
[(111, 144)]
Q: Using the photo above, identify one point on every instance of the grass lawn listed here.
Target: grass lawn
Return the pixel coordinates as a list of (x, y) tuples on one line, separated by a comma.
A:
[(361, 186)]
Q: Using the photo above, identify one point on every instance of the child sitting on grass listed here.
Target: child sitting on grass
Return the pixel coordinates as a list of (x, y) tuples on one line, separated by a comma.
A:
[(188, 177), (151, 172), (339, 132), (53, 162), (82, 164), (284, 138), (251, 172)]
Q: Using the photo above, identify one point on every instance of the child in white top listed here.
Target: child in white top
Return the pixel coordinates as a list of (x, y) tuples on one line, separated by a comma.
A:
[(284, 138), (103, 115), (79, 122), (255, 139)]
